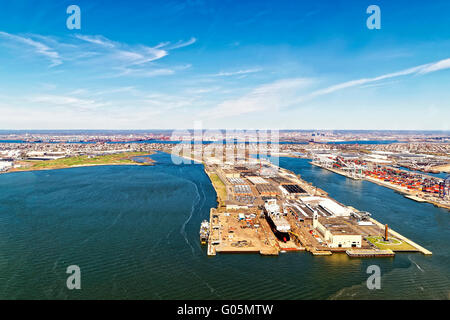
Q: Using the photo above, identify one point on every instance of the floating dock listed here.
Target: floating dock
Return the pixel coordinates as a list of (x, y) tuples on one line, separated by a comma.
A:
[(352, 253)]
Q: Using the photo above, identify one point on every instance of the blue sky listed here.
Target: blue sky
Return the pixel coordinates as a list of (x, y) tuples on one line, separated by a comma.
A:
[(229, 64)]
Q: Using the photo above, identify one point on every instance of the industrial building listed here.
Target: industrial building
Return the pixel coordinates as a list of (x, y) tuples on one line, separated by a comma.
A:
[(257, 180), (267, 190), (327, 207), (242, 189), (228, 173), (236, 180), (292, 190), (337, 233)]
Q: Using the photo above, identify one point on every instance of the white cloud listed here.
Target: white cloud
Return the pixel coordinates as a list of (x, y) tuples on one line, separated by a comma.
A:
[(285, 93), (422, 69), (147, 71), (181, 44), (272, 96), (99, 40), (121, 55), (39, 47), (67, 101), (239, 72), (96, 52), (437, 66)]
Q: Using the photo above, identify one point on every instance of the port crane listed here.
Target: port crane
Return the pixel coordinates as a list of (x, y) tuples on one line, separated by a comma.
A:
[(361, 215), (353, 169), (444, 189)]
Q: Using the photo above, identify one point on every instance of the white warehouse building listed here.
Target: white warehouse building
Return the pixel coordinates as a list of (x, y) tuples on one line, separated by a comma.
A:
[(336, 233)]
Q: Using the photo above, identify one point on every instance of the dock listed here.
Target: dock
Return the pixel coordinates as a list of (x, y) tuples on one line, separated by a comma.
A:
[(415, 198), (370, 253), (342, 173)]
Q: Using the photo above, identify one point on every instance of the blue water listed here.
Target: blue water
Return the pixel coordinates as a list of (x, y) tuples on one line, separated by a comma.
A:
[(365, 142), (437, 175), (133, 231)]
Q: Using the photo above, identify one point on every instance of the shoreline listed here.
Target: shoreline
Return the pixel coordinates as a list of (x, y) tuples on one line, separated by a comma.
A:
[(78, 166), (151, 162)]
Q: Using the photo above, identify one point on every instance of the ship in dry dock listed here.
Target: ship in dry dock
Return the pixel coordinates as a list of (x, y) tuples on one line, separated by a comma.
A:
[(279, 225)]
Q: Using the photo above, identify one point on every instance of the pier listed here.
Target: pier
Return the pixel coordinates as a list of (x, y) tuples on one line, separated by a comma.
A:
[(342, 173), (403, 238)]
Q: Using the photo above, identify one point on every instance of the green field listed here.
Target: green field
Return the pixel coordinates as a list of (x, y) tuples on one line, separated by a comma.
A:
[(394, 244), (110, 159), (220, 188)]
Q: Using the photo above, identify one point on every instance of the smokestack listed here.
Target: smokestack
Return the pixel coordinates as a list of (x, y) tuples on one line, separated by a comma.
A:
[(315, 219), (386, 231)]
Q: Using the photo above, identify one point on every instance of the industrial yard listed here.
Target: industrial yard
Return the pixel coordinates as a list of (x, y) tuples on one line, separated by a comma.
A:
[(265, 209)]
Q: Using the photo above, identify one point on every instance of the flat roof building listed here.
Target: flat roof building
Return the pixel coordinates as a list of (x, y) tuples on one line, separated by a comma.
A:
[(337, 233)]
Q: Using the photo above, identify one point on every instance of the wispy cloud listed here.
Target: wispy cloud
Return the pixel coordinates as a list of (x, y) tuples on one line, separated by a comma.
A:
[(236, 73), (67, 101), (287, 92), (165, 102), (136, 60), (98, 40), (436, 66), (102, 54), (146, 72), (39, 47), (419, 70), (124, 54), (181, 44), (272, 96)]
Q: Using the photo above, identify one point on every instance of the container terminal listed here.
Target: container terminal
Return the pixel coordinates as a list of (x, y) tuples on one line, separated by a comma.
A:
[(269, 210), (413, 185)]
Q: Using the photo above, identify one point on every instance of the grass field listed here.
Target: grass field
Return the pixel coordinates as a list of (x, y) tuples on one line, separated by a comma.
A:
[(110, 159), (220, 188), (394, 244)]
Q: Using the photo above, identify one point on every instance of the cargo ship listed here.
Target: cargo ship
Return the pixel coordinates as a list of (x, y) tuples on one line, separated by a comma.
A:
[(204, 232), (277, 222)]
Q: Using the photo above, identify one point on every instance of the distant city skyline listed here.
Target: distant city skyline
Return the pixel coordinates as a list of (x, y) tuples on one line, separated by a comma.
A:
[(228, 64)]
